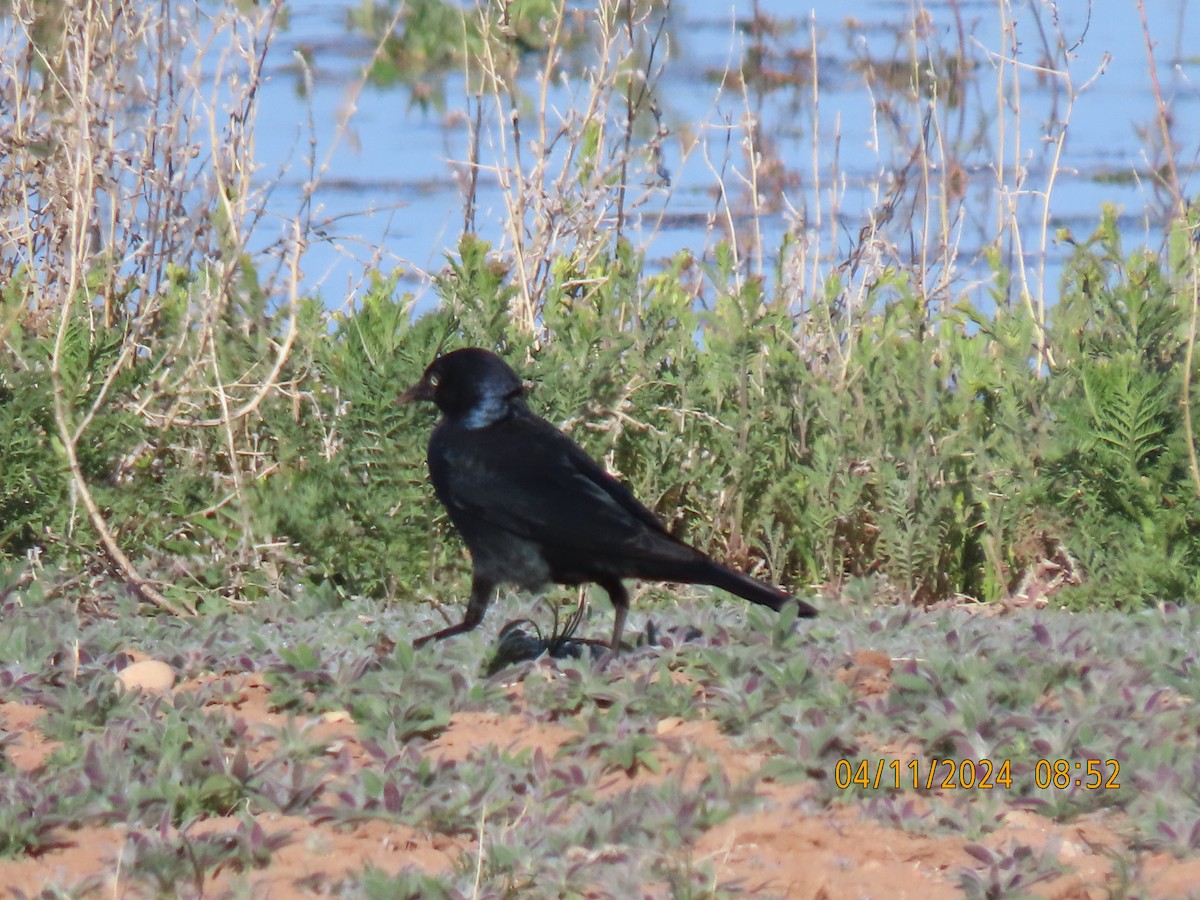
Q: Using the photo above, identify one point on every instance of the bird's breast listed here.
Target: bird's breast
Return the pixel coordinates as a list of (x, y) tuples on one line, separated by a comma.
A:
[(500, 555)]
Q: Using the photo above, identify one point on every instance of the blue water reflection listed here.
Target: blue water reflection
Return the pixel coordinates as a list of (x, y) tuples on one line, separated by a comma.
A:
[(390, 194)]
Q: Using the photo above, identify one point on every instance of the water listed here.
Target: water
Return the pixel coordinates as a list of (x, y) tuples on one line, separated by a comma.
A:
[(392, 198)]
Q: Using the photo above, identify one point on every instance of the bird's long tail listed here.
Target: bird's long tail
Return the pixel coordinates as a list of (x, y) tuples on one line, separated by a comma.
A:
[(753, 590)]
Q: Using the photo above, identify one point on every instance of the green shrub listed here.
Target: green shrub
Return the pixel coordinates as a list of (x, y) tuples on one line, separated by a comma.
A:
[(1116, 463), (923, 450)]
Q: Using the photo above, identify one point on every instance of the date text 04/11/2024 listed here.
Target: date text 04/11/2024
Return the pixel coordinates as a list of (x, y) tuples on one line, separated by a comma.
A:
[(968, 774)]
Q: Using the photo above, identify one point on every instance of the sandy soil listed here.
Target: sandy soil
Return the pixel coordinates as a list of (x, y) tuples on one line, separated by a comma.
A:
[(790, 847)]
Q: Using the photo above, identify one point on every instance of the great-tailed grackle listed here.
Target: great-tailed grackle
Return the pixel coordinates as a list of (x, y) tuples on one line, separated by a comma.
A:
[(533, 508)]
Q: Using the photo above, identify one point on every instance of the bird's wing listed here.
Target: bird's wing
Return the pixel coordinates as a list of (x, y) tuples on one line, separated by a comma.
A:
[(525, 476)]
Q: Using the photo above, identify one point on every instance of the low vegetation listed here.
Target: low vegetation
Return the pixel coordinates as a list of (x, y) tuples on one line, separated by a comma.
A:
[(584, 786), (184, 431)]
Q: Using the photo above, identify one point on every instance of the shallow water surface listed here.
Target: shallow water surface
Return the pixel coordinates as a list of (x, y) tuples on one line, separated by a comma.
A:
[(391, 195)]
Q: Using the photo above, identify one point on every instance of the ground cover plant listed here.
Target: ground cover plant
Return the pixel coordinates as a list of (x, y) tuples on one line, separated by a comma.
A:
[(315, 757), (995, 503)]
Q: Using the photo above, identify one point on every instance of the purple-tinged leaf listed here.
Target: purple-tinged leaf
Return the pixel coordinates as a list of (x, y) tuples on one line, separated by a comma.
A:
[(981, 853), (393, 802), (240, 767), (92, 767)]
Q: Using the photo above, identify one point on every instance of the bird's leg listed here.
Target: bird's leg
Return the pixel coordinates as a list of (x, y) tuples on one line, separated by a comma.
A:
[(620, 601), (481, 596)]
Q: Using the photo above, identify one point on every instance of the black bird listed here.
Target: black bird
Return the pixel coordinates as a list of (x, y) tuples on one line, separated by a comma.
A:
[(533, 508)]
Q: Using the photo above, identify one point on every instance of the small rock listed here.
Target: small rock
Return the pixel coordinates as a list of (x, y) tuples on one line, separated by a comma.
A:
[(149, 675), (667, 725)]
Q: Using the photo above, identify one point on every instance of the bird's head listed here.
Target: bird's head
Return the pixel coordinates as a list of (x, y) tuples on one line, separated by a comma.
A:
[(472, 385)]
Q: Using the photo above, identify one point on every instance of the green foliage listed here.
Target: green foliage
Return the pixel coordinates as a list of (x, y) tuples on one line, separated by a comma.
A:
[(641, 755), (31, 483), (434, 38), (919, 453), (1116, 463), (34, 496), (765, 457), (350, 489), (162, 482)]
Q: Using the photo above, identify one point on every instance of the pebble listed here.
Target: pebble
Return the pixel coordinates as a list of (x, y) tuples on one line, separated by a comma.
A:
[(148, 675)]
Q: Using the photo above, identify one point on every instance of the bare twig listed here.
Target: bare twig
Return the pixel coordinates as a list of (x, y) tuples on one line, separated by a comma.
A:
[(110, 192), (1180, 215)]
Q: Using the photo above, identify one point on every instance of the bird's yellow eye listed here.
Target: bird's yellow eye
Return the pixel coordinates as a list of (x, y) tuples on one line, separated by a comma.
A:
[(433, 380)]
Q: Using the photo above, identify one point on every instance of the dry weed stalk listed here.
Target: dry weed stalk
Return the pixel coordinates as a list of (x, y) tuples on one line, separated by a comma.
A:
[(1013, 170), (126, 172), (567, 174), (914, 218), (923, 186), (1179, 220)]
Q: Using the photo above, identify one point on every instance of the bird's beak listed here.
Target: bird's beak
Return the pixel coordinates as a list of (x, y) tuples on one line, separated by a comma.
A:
[(422, 390)]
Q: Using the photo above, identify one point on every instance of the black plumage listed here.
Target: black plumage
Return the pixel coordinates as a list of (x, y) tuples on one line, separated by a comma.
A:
[(533, 508)]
